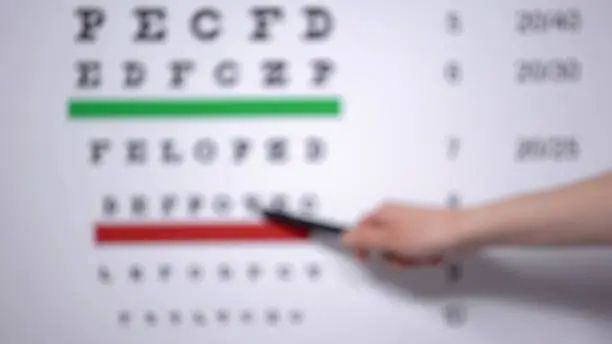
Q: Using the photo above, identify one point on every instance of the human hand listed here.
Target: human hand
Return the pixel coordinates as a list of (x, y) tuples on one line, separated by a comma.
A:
[(407, 235)]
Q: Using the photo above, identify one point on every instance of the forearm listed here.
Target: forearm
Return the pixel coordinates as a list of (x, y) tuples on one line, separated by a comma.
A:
[(580, 214)]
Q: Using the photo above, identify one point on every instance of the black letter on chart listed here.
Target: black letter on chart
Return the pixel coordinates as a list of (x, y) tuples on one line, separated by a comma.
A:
[(91, 18), (274, 73), (139, 205), (194, 204), (226, 73), (277, 150), (452, 72), (89, 74), (179, 68), (322, 68), (453, 200), (150, 24), (97, 147), (169, 153), (320, 23), (136, 152), (221, 204), (263, 16), (198, 30), (109, 206), (241, 149), (315, 149), (279, 202), (308, 203), (205, 150), (134, 74), (168, 203), (453, 23), (252, 202), (452, 147)]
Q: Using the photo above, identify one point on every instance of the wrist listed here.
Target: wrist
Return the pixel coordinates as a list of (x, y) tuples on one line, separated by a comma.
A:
[(475, 228)]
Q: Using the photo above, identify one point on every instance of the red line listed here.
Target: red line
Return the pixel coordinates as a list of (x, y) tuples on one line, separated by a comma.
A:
[(189, 233)]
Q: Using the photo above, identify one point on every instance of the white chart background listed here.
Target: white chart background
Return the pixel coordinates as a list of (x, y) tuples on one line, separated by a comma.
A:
[(399, 112)]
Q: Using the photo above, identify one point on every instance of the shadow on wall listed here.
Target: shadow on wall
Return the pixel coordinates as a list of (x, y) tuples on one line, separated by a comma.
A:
[(550, 279)]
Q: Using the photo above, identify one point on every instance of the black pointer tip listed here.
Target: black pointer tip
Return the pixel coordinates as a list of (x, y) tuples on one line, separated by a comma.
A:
[(300, 222)]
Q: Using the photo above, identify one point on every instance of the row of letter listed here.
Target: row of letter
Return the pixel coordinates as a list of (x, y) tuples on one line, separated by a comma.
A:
[(226, 73), (195, 205), (205, 151), (196, 272), (269, 317), (206, 24)]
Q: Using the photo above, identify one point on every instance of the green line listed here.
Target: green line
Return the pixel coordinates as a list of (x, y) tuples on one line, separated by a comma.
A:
[(203, 108)]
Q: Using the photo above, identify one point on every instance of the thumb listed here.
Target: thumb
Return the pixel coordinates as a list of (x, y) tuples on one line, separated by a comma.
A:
[(367, 238)]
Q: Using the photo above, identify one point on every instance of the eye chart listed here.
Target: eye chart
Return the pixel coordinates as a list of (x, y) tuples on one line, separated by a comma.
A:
[(139, 138)]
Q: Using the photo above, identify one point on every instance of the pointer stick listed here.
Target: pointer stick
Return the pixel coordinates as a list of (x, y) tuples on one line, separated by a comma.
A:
[(301, 222)]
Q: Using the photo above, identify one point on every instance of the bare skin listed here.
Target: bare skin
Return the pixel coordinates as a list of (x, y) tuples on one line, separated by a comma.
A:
[(571, 215)]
